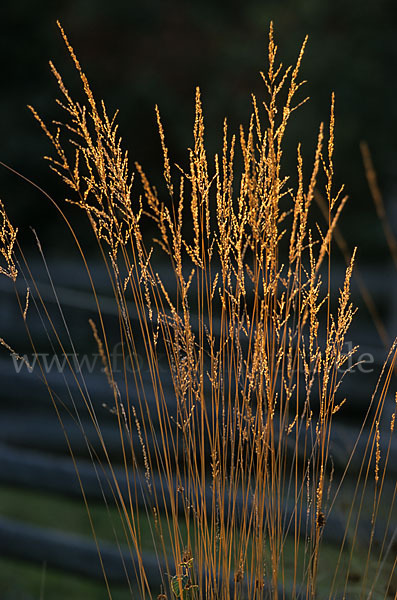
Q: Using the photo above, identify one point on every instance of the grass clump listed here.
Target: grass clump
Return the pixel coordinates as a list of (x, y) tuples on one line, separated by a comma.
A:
[(233, 467)]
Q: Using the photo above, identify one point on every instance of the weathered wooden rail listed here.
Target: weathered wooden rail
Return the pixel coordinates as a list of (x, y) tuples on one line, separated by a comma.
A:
[(76, 554)]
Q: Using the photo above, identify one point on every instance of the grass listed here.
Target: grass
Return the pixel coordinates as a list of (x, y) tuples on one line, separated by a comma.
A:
[(254, 353)]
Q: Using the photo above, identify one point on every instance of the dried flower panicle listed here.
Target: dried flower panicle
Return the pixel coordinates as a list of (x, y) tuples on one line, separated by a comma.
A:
[(8, 235)]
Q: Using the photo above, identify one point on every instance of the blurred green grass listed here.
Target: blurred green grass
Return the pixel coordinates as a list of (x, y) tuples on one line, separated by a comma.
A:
[(22, 581)]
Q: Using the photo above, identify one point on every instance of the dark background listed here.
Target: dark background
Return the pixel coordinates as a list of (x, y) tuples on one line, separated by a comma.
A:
[(139, 54)]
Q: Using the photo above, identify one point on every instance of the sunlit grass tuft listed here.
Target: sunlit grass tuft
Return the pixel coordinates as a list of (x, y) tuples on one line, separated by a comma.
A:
[(234, 466)]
